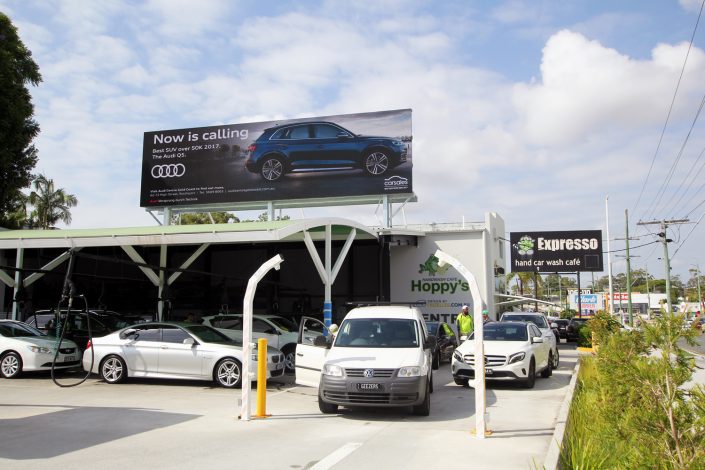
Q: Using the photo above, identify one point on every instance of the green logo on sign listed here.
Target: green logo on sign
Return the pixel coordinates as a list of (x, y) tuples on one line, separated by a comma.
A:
[(431, 267)]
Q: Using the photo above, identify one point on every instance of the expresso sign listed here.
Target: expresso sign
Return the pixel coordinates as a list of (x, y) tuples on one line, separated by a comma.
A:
[(556, 251)]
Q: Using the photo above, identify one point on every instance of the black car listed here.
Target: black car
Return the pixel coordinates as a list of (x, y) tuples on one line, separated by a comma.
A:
[(102, 322), (562, 325), (572, 331), (311, 146), (446, 342)]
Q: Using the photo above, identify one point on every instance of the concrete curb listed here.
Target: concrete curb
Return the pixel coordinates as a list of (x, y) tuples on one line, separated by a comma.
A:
[(553, 456)]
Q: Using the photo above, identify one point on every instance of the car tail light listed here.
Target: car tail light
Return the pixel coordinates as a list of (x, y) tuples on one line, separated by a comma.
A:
[(251, 148), (88, 345)]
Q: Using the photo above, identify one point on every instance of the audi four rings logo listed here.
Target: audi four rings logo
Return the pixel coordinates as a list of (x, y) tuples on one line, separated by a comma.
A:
[(168, 171), (369, 373)]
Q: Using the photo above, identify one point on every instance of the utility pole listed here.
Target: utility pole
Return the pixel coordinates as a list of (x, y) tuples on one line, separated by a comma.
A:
[(629, 272), (662, 235), (648, 294), (697, 279), (609, 257)]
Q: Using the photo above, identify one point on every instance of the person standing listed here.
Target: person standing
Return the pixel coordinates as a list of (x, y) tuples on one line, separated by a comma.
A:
[(485, 317), (463, 323)]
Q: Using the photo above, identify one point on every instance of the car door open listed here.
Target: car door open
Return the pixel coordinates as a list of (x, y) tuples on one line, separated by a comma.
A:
[(311, 354)]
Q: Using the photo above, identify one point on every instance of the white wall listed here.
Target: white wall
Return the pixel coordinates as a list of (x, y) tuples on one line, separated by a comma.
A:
[(415, 277)]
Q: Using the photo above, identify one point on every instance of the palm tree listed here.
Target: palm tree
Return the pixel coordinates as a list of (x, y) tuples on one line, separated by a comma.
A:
[(50, 205)]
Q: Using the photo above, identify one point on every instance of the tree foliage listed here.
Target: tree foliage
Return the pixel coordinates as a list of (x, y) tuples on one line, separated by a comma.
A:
[(635, 407), (51, 205), (18, 155)]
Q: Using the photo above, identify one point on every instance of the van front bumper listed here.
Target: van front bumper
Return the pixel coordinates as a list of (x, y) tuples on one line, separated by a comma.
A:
[(383, 392)]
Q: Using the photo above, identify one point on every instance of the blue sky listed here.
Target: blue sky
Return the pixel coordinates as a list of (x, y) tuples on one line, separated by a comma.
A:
[(536, 110)]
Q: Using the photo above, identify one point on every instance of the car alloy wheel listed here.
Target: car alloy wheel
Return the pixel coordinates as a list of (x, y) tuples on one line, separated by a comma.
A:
[(228, 373), (548, 371), (11, 365), (531, 376), (113, 370), (556, 359), (376, 163), (289, 359), (272, 169)]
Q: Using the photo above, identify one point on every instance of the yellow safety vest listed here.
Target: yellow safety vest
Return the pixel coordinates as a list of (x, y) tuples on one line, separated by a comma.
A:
[(464, 324)]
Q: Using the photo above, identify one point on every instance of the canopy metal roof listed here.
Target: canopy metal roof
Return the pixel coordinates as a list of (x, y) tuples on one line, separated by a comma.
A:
[(284, 230)]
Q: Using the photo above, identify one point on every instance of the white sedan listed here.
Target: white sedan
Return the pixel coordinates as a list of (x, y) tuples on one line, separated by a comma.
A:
[(173, 351), (513, 350), (25, 348)]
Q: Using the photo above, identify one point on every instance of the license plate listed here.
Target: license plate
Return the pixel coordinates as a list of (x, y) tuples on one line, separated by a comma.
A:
[(372, 387), (69, 358), (489, 372)]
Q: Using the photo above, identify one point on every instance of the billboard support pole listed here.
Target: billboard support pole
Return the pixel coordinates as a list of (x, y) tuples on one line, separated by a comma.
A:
[(270, 211), (167, 216), (580, 297), (387, 211)]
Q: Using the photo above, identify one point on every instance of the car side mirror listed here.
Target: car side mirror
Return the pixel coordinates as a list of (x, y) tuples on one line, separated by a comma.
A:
[(189, 341), (537, 339), (128, 333), (430, 342)]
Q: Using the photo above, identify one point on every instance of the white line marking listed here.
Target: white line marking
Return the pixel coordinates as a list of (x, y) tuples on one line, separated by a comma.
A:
[(336, 456)]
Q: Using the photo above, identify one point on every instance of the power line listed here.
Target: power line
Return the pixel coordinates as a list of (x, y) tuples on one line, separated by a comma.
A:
[(662, 191), (670, 109)]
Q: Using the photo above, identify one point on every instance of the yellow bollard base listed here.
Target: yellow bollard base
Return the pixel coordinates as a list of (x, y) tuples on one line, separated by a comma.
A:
[(260, 416), (488, 432)]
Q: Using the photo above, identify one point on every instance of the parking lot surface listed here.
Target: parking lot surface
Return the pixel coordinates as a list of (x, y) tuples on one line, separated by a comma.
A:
[(177, 424)]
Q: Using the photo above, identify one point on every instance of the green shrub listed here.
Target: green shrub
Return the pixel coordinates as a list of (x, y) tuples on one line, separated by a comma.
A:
[(631, 407)]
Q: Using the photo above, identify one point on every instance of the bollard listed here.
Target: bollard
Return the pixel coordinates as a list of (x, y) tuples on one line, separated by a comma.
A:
[(261, 378)]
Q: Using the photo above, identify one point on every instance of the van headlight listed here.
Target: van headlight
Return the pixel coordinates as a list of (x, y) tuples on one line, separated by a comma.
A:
[(458, 356), (411, 371), (332, 370), (516, 357)]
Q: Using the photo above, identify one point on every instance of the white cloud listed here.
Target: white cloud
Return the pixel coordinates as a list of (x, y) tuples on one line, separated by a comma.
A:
[(691, 5), (183, 20), (587, 88)]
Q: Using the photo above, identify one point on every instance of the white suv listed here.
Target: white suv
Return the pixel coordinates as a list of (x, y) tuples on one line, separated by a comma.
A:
[(381, 356), (541, 322), (513, 350), (280, 332)]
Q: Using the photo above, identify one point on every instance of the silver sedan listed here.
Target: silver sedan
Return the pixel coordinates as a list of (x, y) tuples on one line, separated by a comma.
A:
[(173, 351)]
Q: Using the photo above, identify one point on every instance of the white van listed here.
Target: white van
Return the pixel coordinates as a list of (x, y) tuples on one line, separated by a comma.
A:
[(380, 356)]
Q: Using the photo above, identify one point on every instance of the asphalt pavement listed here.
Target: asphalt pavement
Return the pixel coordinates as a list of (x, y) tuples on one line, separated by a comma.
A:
[(182, 424)]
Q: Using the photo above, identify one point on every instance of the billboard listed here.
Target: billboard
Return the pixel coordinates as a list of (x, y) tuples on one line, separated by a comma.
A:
[(321, 157), (560, 251)]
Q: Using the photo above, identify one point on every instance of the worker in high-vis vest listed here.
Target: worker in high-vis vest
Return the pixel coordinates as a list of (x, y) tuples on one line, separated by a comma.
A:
[(464, 324)]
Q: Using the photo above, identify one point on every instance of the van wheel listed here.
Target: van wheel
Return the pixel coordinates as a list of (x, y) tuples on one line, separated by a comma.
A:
[(326, 408), (424, 409)]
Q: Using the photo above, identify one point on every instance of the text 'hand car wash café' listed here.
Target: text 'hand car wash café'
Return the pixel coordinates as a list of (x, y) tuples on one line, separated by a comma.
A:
[(169, 270)]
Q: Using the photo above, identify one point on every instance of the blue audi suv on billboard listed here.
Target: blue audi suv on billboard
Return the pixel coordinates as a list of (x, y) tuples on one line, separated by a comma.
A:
[(315, 146)]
